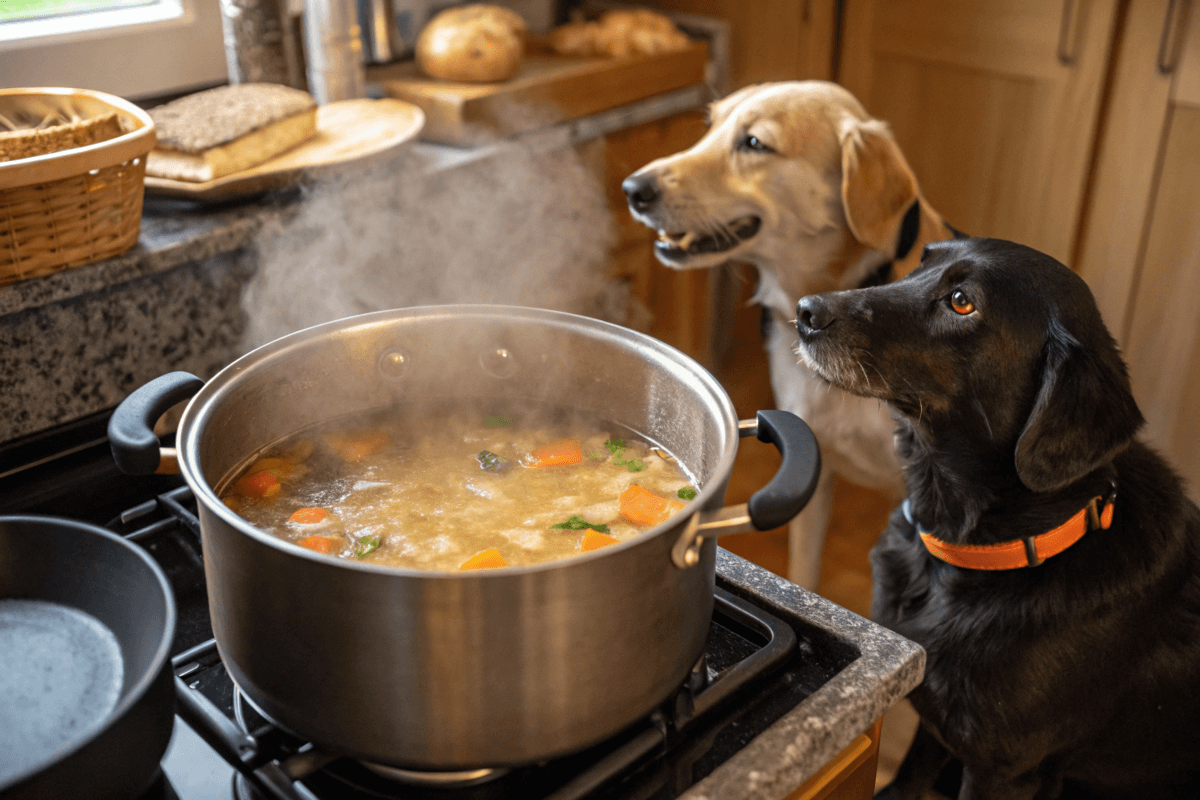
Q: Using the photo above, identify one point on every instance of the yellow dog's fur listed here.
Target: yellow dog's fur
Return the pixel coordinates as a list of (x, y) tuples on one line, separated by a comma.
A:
[(831, 189)]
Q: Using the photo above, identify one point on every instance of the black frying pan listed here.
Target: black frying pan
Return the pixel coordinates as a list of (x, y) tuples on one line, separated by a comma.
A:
[(86, 688)]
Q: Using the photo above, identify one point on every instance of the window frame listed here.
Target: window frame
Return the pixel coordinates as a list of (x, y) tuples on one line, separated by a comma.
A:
[(135, 52)]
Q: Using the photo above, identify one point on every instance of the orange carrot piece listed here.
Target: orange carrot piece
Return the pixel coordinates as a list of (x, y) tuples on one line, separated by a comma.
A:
[(319, 543), (276, 466), (258, 484), (488, 559), (564, 451), (358, 447), (646, 508), (593, 540), (308, 516)]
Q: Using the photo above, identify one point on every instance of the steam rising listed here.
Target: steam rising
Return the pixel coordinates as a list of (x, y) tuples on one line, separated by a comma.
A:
[(525, 226)]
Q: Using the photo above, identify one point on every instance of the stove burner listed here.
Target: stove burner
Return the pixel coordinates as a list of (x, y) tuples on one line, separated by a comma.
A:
[(443, 780)]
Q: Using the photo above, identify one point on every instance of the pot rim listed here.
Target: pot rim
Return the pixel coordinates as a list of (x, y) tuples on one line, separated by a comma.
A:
[(199, 407)]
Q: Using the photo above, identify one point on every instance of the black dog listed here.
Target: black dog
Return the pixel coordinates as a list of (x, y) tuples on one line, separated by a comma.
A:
[(1062, 665)]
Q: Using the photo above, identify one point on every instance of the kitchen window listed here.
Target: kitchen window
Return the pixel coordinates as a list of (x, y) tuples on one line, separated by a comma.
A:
[(131, 48)]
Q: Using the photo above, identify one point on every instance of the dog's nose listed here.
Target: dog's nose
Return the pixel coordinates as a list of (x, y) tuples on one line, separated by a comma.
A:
[(813, 314), (641, 191)]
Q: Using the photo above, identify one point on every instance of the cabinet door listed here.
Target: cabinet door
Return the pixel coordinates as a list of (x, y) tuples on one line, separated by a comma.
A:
[(679, 303), (994, 104), (1159, 266)]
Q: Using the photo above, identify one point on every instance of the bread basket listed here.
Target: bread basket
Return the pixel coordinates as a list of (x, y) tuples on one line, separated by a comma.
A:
[(71, 207)]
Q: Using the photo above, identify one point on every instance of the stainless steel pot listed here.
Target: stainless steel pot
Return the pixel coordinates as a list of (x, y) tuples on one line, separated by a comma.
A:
[(455, 671)]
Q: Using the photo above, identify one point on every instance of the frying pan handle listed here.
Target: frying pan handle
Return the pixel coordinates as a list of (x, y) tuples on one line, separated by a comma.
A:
[(771, 506), (135, 447)]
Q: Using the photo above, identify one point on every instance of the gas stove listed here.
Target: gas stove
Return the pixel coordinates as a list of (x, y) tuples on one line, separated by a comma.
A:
[(762, 660)]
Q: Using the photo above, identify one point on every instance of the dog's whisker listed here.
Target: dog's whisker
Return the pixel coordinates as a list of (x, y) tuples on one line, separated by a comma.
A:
[(986, 421)]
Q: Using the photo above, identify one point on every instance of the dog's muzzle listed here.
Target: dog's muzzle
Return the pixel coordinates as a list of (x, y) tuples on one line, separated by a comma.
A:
[(673, 246)]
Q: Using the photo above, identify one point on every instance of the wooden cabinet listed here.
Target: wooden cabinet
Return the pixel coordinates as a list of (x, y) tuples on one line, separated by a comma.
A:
[(1140, 246), (994, 104), (678, 305)]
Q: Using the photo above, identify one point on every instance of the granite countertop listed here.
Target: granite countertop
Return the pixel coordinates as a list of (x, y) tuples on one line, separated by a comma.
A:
[(805, 739)]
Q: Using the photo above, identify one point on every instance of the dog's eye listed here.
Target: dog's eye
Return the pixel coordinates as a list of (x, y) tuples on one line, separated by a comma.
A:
[(750, 142), (961, 303)]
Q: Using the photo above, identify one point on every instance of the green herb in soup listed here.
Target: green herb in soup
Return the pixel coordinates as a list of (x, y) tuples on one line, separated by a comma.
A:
[(463, 491)]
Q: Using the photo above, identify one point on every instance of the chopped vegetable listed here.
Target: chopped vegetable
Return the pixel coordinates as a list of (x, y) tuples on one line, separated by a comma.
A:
[(308, 516), (258, 484), (276, 466), (646, 508), (593, 540), (232, 502), (578, 523), (489, 460), (596, 456), (364, 547), (687, 493), (498, 420), (488, 559), (321, 544), (356, 447), (617, 448), (562, 452)]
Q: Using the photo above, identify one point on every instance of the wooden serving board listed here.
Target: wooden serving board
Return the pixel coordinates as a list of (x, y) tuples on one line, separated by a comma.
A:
[(348, 131), (547, 89)]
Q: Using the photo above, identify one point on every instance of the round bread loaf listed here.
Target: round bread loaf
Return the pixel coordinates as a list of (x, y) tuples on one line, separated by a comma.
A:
[(619, 33), (477, 43)]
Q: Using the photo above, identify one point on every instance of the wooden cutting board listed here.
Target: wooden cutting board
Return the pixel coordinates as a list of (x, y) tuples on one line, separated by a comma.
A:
[(548, 89), (348, 131)]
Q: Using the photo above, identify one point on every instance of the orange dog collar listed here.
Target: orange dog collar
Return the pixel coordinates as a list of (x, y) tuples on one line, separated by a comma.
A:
[(1028, 551)]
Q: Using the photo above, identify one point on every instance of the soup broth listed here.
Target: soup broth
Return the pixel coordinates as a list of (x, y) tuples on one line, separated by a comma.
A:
[(466, 490)]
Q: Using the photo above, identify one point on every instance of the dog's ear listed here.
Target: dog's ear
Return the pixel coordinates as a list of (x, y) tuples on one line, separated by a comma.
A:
[(878, 186), (1084, 413)]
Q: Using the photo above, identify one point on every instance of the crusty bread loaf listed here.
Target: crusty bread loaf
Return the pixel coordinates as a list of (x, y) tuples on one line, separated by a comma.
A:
[(220, 131), (619, 33), (29, 142), (475, 43)]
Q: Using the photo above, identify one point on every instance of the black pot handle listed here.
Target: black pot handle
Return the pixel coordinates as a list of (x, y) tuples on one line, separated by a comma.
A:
[(135, 448), (771, 506), (793, 485)]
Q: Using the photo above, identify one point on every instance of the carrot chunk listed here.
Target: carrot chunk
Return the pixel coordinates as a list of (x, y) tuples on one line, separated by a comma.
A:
[(564, 451), (356, 447), (488, 559), (593, 540), (646, 508), (258, 484), (276, 466), (319, 543), (308, 516)]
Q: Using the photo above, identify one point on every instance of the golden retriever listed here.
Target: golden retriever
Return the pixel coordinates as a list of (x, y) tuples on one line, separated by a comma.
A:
[(798, 180)]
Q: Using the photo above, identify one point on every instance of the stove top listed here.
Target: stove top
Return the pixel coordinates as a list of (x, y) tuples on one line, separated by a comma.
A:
[(760, 661)]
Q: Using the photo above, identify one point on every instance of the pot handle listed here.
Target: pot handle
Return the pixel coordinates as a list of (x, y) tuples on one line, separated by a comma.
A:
[(771, 506), (135, 447)]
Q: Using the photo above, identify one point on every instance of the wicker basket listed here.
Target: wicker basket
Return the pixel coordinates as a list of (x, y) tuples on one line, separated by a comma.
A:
[(76, 206)]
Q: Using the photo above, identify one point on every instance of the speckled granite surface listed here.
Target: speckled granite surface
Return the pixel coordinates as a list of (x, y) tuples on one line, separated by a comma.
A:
[(793, 749)]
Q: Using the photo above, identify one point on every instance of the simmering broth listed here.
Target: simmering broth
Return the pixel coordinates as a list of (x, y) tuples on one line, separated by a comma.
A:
[(466, 490)]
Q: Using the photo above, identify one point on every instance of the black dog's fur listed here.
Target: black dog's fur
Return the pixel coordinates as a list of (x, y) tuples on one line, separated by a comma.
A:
[(1081, 675)]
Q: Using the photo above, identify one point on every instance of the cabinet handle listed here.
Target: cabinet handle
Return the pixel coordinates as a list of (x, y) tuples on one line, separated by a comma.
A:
[(1068, 34), (1171, 43)]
